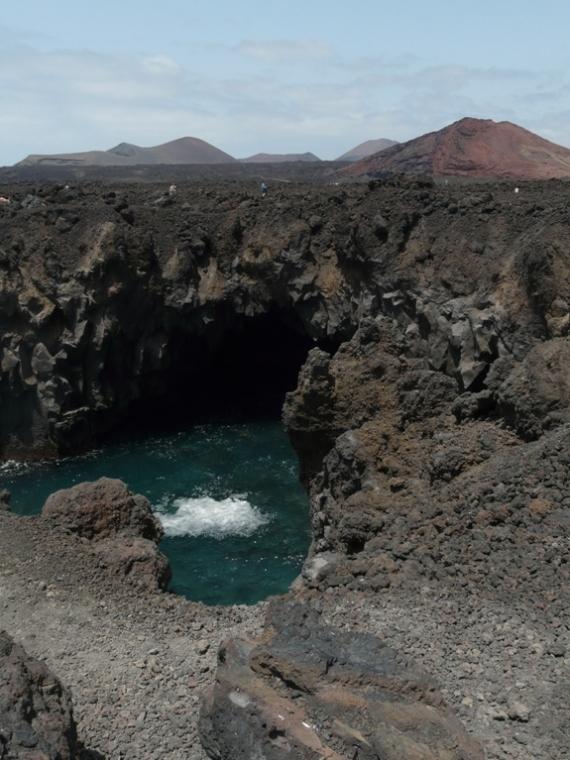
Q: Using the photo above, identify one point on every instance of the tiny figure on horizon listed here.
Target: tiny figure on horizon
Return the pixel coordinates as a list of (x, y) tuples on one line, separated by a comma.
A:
[(172, 190), (264, 189)]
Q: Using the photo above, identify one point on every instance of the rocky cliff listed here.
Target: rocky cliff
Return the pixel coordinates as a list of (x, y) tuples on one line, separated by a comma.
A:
[(430, 414), (110, 299)]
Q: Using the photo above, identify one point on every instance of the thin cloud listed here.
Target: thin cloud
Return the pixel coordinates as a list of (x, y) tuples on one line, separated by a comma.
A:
[(54, 101), (284, 51)]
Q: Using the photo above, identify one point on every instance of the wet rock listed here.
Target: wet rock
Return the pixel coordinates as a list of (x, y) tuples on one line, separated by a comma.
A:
[(36, 716)]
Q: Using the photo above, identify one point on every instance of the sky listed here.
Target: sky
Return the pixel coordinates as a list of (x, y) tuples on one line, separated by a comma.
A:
[(275, 76)]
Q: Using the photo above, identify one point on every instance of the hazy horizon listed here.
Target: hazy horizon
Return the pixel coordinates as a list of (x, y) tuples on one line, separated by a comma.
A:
[(317, 78)]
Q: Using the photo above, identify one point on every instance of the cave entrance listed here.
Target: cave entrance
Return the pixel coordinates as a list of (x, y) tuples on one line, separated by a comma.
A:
[(237, 370)]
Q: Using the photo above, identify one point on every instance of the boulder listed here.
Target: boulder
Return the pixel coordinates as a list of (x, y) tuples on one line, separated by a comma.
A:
[(308, 691), (102, 509), (120, 525), (36, 716)]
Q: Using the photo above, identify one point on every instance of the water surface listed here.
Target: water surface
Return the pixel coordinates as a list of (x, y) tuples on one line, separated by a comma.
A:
[(235, 516)]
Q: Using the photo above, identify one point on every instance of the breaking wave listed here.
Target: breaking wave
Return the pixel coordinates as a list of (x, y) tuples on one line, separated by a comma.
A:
[(204, 516)]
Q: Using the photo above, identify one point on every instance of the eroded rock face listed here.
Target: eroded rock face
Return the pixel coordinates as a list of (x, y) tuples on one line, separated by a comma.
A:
[(308, 691), (121, 526), (426, 484), (36, 716), (102, 314)]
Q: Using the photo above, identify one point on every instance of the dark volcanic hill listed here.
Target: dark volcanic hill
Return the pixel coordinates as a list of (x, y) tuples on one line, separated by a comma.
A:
[(367, 148), (472, 148), (186, 150), (279, 158)]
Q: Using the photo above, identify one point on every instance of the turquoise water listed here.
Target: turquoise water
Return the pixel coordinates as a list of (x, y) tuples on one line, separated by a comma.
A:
[(235, 516)]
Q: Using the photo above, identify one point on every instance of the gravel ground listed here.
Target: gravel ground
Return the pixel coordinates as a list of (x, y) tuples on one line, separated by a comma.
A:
[(503, 665), (138, 663)]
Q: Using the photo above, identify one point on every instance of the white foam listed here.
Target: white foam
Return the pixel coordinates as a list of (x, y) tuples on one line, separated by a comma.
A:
[(204, 516), (11, 466)]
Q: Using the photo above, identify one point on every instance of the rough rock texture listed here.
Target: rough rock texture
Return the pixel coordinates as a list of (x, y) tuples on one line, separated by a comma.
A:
[(430, 416), (103, 509), (406, 491), (108, 310), (308, 691), (36, 717), (120, 524), (472, 148)]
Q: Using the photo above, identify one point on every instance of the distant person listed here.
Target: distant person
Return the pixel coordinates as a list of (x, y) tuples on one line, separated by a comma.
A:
[(264, 189), (172, 190)]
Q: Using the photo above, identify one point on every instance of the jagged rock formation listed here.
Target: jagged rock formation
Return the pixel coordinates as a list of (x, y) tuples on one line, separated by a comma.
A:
[(99, 306), (407, 492), (308, 691), (120, 525), (430, 416), (36, 716), (471, 148)]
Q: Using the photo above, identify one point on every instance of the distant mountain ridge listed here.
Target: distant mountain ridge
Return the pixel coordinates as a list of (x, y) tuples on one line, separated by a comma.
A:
[(479, 148), (278, 158), (367, 148), (185, 150)]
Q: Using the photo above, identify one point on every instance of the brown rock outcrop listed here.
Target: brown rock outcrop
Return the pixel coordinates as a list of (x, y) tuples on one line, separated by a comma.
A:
[(4, 500), (102, 509), (121, 526)]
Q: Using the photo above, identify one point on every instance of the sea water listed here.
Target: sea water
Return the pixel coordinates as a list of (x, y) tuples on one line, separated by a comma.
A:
[(235, 516)]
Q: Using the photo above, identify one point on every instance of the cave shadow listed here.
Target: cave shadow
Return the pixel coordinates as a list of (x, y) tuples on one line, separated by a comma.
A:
[(239, 370)]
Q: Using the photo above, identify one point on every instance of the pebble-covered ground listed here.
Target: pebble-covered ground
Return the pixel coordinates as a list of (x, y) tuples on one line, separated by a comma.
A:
[(137, 663), (504, 668)]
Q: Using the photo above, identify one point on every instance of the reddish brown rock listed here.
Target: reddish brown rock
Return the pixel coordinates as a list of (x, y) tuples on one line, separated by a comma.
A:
[(121, 526), (102, 509), (137, 559)]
